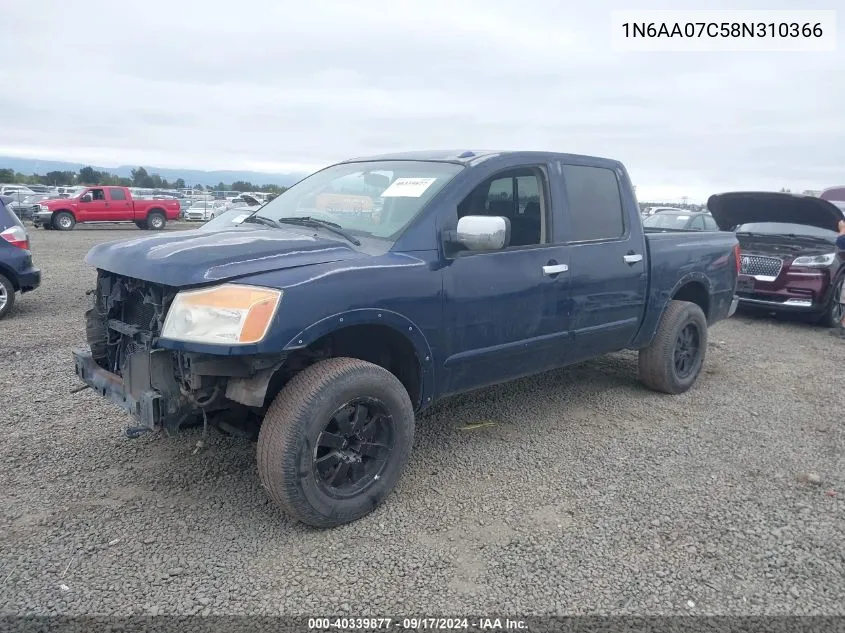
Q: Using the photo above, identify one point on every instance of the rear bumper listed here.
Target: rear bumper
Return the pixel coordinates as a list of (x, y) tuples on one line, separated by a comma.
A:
[(29, 280)]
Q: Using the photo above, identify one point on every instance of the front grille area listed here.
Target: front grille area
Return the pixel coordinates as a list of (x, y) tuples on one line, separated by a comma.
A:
[(127, 317), (760, 266)]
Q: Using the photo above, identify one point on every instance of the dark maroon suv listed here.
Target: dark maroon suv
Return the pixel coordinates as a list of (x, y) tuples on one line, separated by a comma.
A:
[(789, 258)]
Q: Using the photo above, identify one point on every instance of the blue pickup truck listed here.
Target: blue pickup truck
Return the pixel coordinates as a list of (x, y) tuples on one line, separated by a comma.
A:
[(448, 271)]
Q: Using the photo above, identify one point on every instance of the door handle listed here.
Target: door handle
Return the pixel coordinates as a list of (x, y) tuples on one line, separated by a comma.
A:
[(554, 269), (632, 258)]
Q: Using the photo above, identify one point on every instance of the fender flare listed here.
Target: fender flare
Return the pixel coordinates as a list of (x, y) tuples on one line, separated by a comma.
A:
[(683, 281), (661, 302), (401, 324), (156, 210)]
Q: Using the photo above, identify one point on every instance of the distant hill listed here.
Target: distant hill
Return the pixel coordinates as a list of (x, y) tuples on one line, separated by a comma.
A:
[(29, 166)]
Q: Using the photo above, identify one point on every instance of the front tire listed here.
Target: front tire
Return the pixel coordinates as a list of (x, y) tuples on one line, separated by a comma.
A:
[(7, 296), (832, 316), (64, 221), (674, 359), (335, 441)]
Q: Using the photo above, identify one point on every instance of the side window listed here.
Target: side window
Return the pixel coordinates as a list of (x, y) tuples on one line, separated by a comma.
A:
[(97, 194), (117, 194), (595, 204), (697, 223), (500, 190), (517, 195), (528, 191), (710, 224)]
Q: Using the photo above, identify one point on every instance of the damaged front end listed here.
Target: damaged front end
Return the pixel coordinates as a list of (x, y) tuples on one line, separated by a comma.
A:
[(161, 387)]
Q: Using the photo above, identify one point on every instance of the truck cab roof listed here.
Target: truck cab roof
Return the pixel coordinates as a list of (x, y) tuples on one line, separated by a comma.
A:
[(470, 157)]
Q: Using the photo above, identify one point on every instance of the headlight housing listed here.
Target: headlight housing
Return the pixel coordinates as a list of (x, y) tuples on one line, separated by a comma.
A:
[(231, 314), (815, 261)]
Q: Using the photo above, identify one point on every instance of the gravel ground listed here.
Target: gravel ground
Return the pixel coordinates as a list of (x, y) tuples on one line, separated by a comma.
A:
[(587, 494)]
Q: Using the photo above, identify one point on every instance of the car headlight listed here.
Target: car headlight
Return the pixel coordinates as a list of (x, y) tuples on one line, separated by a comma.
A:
[(815, 261), (230, 314)]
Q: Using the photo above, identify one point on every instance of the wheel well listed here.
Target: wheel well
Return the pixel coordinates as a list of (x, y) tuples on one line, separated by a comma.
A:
[(156, 210), (377, 344), (695, 292), (65, 211), (9, 274)]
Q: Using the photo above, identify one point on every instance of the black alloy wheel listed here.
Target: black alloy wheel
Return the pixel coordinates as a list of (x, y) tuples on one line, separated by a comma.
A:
[(354, 447)]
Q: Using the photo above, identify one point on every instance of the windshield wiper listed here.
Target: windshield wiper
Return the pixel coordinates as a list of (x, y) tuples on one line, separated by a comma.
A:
[(260, 219), (308, 221)]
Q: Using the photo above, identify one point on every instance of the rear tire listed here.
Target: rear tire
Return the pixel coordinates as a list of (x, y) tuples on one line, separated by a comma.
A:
[(64, 221), (832, 315), (156, 221), (335, 441), (141, 224), (674, 359), (7, 296)]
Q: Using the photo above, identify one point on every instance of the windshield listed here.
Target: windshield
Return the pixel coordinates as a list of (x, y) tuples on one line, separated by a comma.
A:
[(785, 228), (374, 199), (667, 220)]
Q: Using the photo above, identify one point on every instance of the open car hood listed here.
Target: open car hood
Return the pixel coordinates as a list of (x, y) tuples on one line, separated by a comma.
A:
[(743, 207)]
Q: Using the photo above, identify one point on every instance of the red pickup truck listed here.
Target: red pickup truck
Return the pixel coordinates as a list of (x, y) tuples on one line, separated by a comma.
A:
[(105, 204)]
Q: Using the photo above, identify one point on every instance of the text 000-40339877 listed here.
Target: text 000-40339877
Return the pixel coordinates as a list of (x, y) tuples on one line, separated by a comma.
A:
[(724, 31)]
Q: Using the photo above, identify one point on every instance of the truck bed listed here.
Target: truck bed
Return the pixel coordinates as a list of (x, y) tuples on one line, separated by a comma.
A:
[(678, 256)]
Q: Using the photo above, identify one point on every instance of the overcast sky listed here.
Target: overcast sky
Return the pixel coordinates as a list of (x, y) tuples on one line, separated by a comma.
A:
[(274, 85)]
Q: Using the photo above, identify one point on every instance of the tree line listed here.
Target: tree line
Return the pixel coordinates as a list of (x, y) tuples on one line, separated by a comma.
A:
[(139, 177)]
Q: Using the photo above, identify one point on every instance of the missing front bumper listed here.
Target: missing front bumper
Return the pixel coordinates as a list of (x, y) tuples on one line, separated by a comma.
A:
[(146, 392)]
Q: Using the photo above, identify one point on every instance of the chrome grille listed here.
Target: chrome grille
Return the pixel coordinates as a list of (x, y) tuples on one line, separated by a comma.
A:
[(760, 266)]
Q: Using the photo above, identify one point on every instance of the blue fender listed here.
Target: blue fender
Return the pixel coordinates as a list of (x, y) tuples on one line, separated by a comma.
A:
[(657, 306), (373, 316)]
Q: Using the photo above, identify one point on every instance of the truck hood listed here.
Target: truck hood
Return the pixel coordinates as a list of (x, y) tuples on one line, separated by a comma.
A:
[(188, 258), (743, 207)]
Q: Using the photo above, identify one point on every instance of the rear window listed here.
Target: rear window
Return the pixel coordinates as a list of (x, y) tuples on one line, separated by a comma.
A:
[(8, 219), (117, 194)]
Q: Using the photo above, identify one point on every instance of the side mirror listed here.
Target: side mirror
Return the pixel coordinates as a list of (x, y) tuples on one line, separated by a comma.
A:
[(86, 198), (483, 232)]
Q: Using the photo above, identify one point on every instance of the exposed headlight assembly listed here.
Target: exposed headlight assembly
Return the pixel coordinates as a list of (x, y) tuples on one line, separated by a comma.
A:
[(231, 314), (815, 261)]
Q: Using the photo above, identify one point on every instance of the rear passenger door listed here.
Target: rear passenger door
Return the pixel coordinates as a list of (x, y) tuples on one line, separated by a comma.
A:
[(119, 208), (607, 251)]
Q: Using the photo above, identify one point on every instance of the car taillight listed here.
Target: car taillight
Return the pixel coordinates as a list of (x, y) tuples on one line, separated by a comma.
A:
[(737, 257), (16, 236)]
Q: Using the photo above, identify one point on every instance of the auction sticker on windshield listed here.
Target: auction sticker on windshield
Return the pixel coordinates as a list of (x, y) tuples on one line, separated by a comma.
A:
[(408, 187)]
